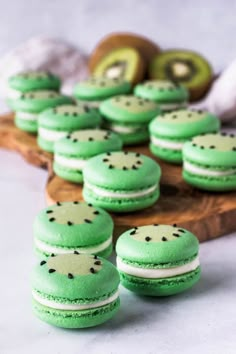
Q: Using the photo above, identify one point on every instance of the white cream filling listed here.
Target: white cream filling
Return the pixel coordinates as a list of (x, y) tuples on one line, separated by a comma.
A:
[(106, 193), (46, 248), (170, 106), (168, 144), (124, 129), (156, 273), (27, 116), (12, 93), (201, 171), (75, 307), (51, 135), (73, 163), (93, 104)]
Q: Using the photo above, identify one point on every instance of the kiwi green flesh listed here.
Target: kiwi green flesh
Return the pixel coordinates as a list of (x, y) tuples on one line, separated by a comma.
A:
[(121, 63), (185, 67)]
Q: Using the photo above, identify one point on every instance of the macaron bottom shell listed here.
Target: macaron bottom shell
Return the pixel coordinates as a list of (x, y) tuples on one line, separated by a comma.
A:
[(120, 205), (26, 125), (169, 155), (75, 319), (160, 287), (214, 184), (71, 175), (46, 145)]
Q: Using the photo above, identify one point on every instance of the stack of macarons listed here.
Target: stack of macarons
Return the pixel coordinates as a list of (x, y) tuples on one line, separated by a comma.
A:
[(29, 93)]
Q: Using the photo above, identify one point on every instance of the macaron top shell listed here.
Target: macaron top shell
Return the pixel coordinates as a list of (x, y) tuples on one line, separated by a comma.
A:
[(184, 123), (98, 88), (157, 246), (37, 101), (122, 171), (73, 224), (69, 116), (34, 80), (75, 278), (129, 108), (162, 91), (88, 143), (217, 150)]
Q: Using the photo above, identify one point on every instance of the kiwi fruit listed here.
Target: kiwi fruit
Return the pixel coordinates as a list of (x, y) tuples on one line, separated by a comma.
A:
[(144, 46), (121, 63), (183, 67)]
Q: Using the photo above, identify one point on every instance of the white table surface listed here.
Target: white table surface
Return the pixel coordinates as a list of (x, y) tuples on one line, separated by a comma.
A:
[(202, 320)]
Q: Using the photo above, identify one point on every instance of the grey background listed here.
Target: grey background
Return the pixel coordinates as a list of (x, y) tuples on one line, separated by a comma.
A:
[(208, 26)]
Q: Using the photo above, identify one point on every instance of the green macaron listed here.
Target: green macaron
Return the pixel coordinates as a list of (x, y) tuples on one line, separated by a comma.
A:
[(210, 162), (158, 260), (75, 290), (30, 104), (96, 89), (121, 181), (57, 122), (72, 151), (73, 226), (30, 81), (171, 130), (167, 94), (129, 116)]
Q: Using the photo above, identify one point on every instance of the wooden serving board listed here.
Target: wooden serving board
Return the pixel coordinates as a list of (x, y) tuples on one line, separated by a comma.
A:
[(208, 215)]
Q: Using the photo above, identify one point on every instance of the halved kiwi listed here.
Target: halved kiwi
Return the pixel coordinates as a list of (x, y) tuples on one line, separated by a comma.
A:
[(146, 48), (185, 67), (125, 63)]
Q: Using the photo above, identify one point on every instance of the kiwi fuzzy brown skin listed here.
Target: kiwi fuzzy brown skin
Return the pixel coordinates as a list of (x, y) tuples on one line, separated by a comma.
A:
[(196, 92), (146, 48)]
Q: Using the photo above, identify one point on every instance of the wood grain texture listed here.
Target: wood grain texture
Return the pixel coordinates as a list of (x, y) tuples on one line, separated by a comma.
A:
[(208, 215)]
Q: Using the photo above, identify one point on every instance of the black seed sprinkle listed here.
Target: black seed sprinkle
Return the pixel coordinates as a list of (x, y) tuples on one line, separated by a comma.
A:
[(132, 232), (69, 223), (212, 147), (176, 235), (88, 221), (125, 168), (58, 204), (90, 138), (231, 135), (95, 256), (75, 114), (97, 262), (51, 270), (110, 167), (92, 270), (174, 225), (234, 148), (49, 211), (134, 167), (90, 205), (181, 230), (108, 154), (70, 276), (52, 219), (76, 252), (223, 134), (137, 154), (105, 160), (139, 162), (202, 147), (76, 202), (96, 212), (147, 238), (155, 224), (164, 238), (68, 137), (42, 263), (75, 140), (126, 152), (52, 255)]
